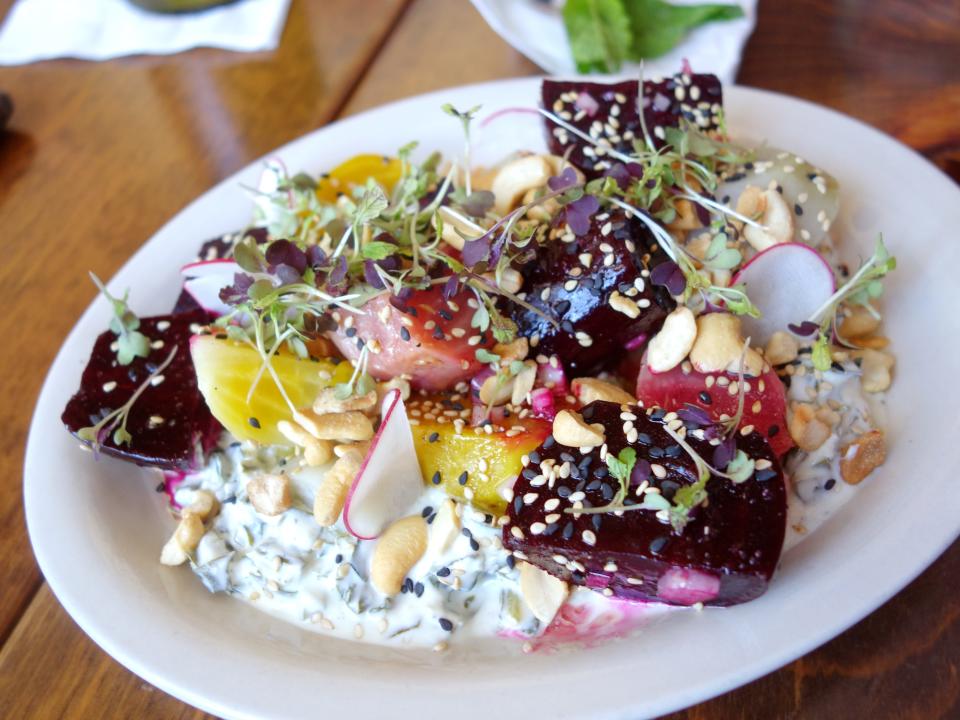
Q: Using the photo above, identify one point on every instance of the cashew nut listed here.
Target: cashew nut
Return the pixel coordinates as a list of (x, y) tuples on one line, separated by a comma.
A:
[(332, 493), (456, 226), (327, 402), (719, 345), (775, 216), (782, 347), (516, 178), (542, 592), (673, 343), (269, 494), (397, 550), (808, 430), (570, 429), (350, 425), (861, 457), (587, 389), (184, 540)]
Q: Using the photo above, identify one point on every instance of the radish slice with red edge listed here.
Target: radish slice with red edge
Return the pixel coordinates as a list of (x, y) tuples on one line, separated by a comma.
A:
[(221, 267), (788, 283), (206, 291), (204, 281), (389, 481)]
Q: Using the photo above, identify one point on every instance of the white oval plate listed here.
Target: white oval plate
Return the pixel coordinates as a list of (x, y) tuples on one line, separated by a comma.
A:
[(97, 528)]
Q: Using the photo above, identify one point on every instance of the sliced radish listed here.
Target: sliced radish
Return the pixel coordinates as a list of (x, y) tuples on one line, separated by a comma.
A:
[(788, 283), (206, 291), (205, 279), (389, 480), (221, 267)]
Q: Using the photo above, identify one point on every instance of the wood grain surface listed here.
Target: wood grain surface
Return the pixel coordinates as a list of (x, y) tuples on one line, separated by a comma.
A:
[(101, 154)]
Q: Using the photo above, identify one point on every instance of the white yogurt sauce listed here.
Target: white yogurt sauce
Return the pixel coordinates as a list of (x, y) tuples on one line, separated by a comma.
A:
[(816, 487), (316, 577)]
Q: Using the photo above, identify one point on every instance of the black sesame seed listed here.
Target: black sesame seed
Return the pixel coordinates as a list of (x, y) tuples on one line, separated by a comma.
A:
[(588, 412), (797, 209), (607, 491), (254, 423), (705, 397), (446, 624), (426, 512), (438, 333), (764, 475), (657, 544), (443, 572), (511, 562), (548, 443), (596, 520), (517, 504), (338, 559), (828, 485), (431, 519), (837, 367), (463, 478), (404, 334), (563, 491), (773, 430), (562, 307), (466, 532), (351, 332), (601, 472), (474, 545), (644, 439), (567, 327), (433, 437), (673, 451), (534, 457), (161, 487), (567, 457), (529, 473), (656, 452), (445, 315), (658, 414), (593, 485), (418, 589), (578, 577), (568, 530)]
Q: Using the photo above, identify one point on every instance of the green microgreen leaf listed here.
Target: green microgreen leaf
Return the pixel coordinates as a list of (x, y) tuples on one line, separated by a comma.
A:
[(485, 356), (131, 343)]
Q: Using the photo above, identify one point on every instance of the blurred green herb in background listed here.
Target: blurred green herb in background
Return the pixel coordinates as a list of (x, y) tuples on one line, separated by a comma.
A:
[(605, 33)]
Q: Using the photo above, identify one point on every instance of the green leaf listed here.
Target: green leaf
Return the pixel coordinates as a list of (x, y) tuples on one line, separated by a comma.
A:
[(821, 357), (372, 202), (485, 356), (378, 250), (657, 26), (130, 345), (622, 465), (248, 256), (599, 33), (741, 467)]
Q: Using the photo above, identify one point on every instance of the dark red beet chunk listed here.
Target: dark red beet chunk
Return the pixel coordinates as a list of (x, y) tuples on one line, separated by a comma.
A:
[(698, 98), (725, 555), (170, 423), (591, 333)]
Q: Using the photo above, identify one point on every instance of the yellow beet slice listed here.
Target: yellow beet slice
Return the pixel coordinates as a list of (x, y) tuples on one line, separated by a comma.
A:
[(226, 369)]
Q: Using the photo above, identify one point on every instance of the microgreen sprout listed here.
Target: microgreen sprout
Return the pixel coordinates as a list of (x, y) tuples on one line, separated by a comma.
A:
[(466, 118), (861, 289), (116, 421), (131, 342)]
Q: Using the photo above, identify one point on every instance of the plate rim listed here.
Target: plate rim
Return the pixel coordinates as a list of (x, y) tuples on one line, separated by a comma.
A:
[(707, 689)]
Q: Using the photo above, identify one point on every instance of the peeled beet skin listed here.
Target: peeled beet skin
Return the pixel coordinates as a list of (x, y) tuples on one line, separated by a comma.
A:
[(615, 119), (725, 555), (589, 333), (170, 422)]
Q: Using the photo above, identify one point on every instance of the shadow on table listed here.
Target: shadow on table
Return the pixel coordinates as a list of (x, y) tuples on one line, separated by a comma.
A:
[(16, 153)]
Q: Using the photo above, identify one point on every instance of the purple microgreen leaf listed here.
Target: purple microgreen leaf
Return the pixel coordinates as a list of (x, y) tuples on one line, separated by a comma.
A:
[(804, 329), (236, 293), (451, 287), (563, 181), (478, 203), (725, 452), (694, 416), (580, 212), (287, 274), (316, 257), (371, 275), (476, 251), (339, 271), (669, 275), (284, 252), (640, 472)]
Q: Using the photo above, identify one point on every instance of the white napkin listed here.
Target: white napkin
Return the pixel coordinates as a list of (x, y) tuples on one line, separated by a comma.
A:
[(535, 28), (103, 29)]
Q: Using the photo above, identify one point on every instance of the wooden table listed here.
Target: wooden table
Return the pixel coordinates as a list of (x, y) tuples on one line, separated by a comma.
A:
[(101, 154)]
